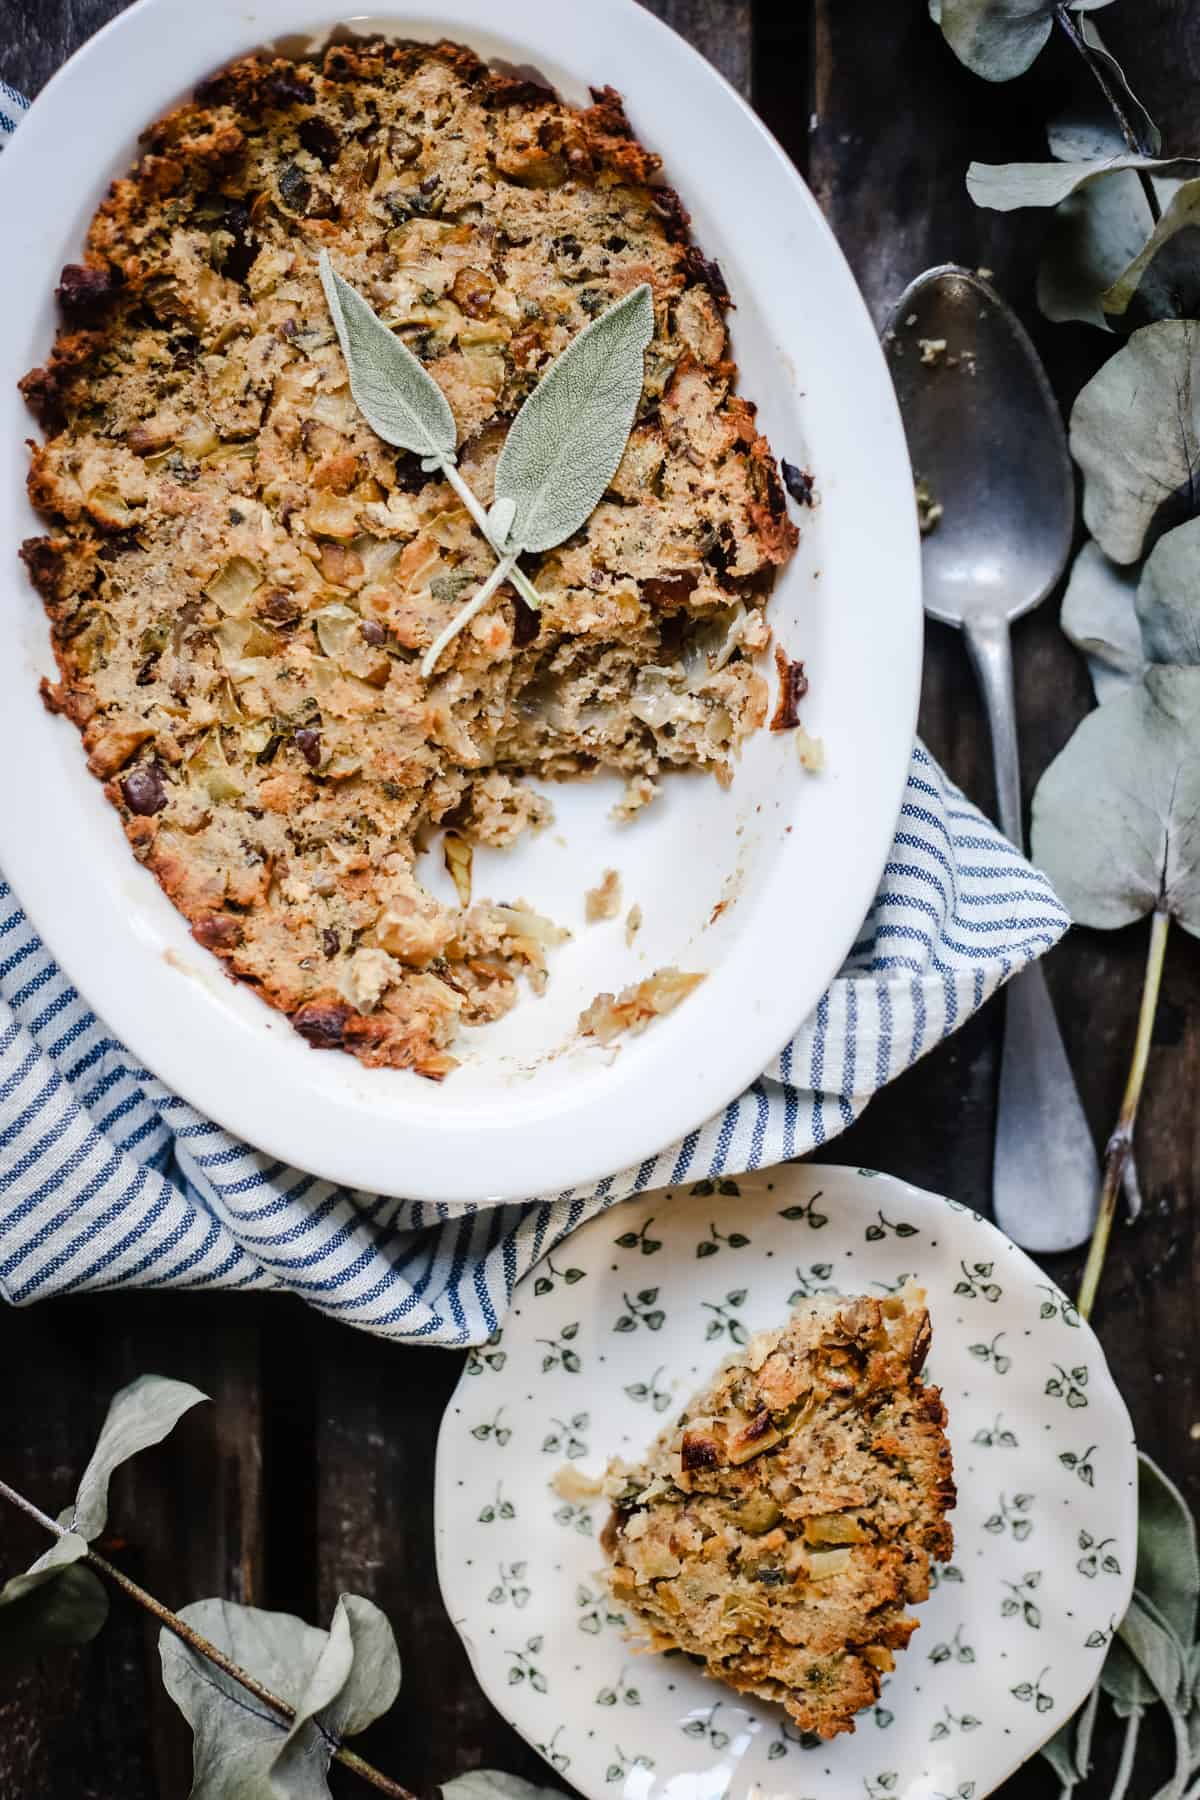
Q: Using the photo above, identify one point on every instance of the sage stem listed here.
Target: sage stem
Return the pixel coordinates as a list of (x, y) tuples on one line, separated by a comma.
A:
[(202, 1646), (517, 576), (502, 572), (1132, 142), (1120, 1144)]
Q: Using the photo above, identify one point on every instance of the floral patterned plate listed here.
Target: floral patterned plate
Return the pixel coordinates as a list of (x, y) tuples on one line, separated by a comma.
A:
[(631, 1314)]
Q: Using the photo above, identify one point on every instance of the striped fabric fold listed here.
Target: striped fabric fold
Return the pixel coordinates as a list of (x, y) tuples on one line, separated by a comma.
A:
[(109, 1180)]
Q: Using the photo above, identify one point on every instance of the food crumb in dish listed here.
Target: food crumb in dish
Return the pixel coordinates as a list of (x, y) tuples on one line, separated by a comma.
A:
[(633, 922), (929, 510), (604, 900), (812, 751), (793, 685), (779, 1529), (640, 790), (457, 852), (634, 1008), (570, 1483), (799, 483), (932, 349)]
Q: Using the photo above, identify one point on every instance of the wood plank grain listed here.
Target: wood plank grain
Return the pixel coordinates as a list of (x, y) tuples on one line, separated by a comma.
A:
[(719, 29), (184, 1519), (37, 39)]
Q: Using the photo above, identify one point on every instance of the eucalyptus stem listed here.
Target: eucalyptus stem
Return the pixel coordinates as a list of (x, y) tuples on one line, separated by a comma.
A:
[(202, 1646), (1132, 142), (1129, 1745), (474, 506), (1120, 1144)]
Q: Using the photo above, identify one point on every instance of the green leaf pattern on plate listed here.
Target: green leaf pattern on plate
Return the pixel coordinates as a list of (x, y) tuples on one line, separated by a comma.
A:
[(1017, 1624)]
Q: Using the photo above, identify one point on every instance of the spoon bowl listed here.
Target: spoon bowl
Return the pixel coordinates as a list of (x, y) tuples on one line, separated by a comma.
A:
[(986, 436)]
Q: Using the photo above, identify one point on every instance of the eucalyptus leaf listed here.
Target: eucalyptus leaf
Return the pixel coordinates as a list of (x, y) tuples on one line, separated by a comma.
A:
[(1135, 433), (1059, 1752), (395, 393), (999, 38), (337, 1681), (1095, 234), (490, 1784), (1087, 127), (1099, 617), (1168, 1565), (1116, 816), (1124, 1681), (1168, 597), (1156, 1650), (565, 443), (1007, 187), (49, 1608), (356, 1680), (236, 1739), (142, 1414), (1163, 280)]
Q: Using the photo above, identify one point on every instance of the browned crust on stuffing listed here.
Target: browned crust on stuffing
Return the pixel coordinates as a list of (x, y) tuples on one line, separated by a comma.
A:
[(195, 310)]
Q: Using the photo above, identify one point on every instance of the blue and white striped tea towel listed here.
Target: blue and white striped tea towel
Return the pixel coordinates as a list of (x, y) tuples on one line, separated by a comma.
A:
[(109, 1180)]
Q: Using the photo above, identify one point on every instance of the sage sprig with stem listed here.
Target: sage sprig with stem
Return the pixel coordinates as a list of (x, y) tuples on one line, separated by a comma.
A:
[(399, 398), (559, 456), (564, 446)]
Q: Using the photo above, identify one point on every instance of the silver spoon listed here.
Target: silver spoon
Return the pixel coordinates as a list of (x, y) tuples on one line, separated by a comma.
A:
[(985, 434)]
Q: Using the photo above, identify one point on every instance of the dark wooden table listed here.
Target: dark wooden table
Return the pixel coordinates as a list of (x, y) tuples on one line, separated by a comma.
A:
[(312, 1473)]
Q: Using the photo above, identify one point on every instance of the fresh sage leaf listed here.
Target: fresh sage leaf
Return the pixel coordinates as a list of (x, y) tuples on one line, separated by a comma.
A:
[(1135, 433), (1163, 280), (395, 393), (1007, 187), (142, 1414), (1168, 597), (1087, 127), (999, 39), (563, 447), (1116, 816), (241, 1749), (565, 443), (490, 1784), (1099, 617), (1168, 1565), (49, 1608), (400, 400)]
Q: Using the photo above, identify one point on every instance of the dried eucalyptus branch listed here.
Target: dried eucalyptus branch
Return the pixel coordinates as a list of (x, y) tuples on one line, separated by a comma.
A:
[(1070, 27), (202, 1646), (1120, 1145)]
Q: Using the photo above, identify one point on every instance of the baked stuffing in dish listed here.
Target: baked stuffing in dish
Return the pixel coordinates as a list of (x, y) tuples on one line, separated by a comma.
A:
[(782, 1526), (241, 577)]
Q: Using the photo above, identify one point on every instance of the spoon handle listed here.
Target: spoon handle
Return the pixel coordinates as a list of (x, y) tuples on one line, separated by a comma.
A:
[(989, 646), (1045, 1174)]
